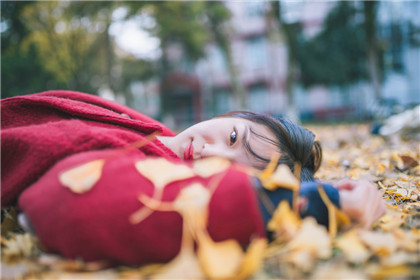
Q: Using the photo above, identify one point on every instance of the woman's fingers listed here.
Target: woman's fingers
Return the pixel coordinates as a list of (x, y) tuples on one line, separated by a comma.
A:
[(345, 184), (361, 201), (371, 206), (379, 209)]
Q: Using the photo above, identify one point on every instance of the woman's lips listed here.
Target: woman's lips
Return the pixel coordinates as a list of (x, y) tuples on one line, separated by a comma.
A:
[(188, 152)]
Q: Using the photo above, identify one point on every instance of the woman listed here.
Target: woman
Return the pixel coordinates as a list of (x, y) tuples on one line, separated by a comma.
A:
[(47, 134)]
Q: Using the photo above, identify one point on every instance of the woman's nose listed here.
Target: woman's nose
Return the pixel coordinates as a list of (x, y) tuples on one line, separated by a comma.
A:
[(210, 150)]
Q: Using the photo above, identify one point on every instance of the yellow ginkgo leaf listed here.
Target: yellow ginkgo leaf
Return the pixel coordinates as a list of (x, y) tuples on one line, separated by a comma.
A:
[(271, 166), (407, 240), (209, 166), (185, 265), (162, 172), (194, 197), (302, 259), (219, 260), (192, 203), (281, 177), (381, 243), (284, 221), (253, 258), (19, 245), (389, 272), (82, 178), (353, 249), (391, 221), (336, 218), (312, 238)]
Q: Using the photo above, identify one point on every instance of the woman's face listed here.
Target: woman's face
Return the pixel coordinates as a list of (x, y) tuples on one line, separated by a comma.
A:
[(224, 137)]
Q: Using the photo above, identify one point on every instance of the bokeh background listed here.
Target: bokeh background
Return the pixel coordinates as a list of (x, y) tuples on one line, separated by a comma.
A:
[(185, 61)]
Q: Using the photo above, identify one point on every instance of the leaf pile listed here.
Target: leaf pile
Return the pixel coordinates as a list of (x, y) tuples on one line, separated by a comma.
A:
[(301, 249)]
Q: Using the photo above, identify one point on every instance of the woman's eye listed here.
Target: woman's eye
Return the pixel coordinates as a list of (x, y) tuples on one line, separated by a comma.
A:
[(233, 136)]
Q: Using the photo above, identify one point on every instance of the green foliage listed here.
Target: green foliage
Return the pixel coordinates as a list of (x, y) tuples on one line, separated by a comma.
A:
[(21, 68), (337, 55), (136, 69), (22, 72), (181, 22), (61, 44)]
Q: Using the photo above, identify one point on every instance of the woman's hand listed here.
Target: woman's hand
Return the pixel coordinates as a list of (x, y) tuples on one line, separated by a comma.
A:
[(361, 201)]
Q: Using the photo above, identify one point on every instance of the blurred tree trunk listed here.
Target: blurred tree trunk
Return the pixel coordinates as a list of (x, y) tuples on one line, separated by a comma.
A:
[(218, 15), (239, 94), (371, 46), (289, 35), (109, 57)]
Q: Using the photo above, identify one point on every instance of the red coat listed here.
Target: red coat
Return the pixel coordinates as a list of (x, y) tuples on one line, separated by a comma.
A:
[(48, 133)]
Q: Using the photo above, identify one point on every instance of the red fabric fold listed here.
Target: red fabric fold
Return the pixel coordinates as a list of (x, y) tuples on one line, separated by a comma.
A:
[(40, 129), (48, 133), (95, 225)]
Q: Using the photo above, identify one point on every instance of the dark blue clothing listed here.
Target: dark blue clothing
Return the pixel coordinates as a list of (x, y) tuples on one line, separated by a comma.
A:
[(314, 207)]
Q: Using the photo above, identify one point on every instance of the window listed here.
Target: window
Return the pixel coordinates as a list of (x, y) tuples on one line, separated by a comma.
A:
[(222, 100), (258, 99), (254, 9), (255, 52), (217, 59)]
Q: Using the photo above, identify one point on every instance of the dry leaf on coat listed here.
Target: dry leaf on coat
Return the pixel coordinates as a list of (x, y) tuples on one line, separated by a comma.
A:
[(209, 166), (82, 178), (161, 171)]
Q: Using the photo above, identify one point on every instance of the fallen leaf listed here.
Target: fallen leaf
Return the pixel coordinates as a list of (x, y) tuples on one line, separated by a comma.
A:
[(389, 272), (336, 218), (353, 249), (18, 246), (18, 270), (391, 221), (270, 168), (399, 258), (281, 177), (82, 178), (9, 222), (284, 221), (219, 260), (184, 266), (407, 240), (209, 166), (337, 270), (161, 171), (312, 238), (381, 244), (192, 203), (253, 258), (65, 275), (55, 262), (408, 162), (302, 259)]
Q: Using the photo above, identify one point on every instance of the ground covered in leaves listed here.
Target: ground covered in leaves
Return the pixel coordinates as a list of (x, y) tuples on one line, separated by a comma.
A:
[(390, 250)]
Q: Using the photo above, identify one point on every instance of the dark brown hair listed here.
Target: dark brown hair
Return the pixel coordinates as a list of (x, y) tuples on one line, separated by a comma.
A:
[(295, 143)]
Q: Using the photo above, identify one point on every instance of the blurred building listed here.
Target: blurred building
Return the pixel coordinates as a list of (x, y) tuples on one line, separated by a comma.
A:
[(194, 92), (260, 60), (400, 32)]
